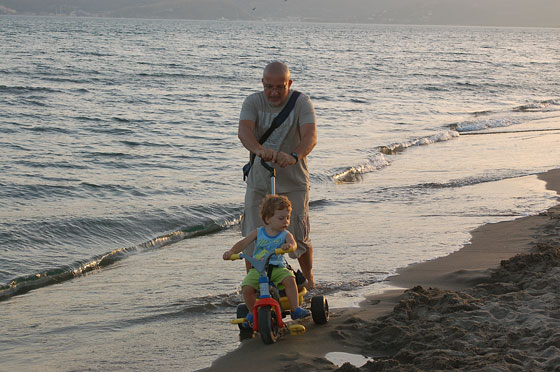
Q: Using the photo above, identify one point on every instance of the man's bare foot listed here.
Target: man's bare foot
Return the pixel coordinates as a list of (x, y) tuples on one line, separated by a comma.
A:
[(310, 281)]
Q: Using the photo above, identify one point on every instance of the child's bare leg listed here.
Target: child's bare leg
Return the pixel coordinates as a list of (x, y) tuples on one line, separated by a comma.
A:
[(250, 297), (248, 266), (291, 291)]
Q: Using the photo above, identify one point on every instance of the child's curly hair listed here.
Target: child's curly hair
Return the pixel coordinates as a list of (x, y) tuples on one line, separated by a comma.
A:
[(273, 203)]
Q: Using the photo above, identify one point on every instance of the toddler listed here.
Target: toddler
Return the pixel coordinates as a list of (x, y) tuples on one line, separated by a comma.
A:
[(275, 213)]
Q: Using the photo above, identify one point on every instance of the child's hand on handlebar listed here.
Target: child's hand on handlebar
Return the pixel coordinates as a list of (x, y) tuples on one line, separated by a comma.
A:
[(227, 255), (287, 246)]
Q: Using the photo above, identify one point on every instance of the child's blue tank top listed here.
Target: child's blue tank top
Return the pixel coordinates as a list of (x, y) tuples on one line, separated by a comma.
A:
[(266, 243)]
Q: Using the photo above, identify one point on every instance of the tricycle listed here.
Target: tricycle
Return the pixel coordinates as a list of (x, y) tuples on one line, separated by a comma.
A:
[(271, 306)]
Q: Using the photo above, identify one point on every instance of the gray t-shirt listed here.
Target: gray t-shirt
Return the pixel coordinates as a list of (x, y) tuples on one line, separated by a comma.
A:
[(284, 138)]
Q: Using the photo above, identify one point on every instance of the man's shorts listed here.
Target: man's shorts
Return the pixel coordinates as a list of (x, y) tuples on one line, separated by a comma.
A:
[(277, 276), (299, 219)]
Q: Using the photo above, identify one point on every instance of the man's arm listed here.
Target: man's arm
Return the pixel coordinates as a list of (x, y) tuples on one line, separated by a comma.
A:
[(246, 135), (308, 141)]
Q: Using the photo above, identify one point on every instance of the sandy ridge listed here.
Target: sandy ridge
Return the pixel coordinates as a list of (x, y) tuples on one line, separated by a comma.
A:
[(492, 306)]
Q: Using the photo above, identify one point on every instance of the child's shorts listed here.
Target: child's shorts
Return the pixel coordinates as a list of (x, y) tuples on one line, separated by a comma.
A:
[(277, 276)]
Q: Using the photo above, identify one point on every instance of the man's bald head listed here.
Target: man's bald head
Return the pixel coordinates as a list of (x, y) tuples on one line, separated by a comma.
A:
[(277, 69), (276, 83)]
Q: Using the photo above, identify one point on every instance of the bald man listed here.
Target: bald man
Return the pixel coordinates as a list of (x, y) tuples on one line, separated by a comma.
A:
[(287, 149)]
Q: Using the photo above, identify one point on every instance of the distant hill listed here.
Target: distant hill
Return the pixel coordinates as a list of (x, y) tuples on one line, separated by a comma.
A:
[(539, 13)]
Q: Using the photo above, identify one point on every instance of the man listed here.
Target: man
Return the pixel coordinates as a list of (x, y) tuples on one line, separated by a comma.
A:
[(287, 149)]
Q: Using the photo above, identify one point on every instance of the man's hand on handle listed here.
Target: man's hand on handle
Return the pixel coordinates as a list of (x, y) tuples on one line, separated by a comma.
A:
[(283, 159), (266, 154)]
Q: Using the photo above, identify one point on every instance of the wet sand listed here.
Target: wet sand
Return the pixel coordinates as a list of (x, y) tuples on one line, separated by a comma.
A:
[(494, 305)]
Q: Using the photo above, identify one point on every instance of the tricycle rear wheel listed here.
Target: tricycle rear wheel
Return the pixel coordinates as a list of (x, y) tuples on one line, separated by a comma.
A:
[(320, 309), (268, 325), (242, 312)]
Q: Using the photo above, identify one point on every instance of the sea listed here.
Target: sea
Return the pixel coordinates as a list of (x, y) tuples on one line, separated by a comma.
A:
[(121, 182)]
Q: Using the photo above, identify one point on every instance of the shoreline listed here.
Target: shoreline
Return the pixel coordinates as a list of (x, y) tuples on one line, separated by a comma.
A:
[(474, 291)]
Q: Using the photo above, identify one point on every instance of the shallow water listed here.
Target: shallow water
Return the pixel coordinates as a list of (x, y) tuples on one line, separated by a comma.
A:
[(339, 358), (121, 169)]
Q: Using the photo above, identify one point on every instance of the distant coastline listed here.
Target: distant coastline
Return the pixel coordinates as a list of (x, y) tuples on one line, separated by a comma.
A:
[(541, 13)]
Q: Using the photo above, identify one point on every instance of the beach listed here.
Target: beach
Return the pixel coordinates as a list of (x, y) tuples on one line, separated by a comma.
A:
[(491, 306), (121, 182)]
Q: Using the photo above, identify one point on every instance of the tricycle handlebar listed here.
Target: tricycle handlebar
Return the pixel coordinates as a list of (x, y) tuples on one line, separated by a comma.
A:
[(238, 256), (235, 256), (282, 251)]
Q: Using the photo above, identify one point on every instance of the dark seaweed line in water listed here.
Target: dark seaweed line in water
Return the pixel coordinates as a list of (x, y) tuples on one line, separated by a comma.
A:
[(25, 284), (511, 131)]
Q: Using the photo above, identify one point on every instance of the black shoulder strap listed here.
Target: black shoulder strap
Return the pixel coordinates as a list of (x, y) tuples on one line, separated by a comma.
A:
[(279, 119)]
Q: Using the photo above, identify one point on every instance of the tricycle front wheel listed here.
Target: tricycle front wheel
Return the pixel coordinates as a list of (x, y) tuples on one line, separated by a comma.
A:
[(268, 325)]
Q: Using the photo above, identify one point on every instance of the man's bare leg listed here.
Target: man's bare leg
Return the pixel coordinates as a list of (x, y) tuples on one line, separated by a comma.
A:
[(306, 265)]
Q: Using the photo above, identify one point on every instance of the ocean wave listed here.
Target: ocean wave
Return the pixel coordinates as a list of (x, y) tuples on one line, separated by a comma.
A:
[(25, 89), (433, 88), (90, 53), (44, 278), (422, 141), (33, 102), (354, 174), (198, 305), (87, 118), (225, 301), (470, 181), (3, 129), (59, 79), (351, 284), (120, 120), (59, 164), (482, 113), (539, 106), (176, 75), (107, 129), (111, 154), (28, 192), (325, 98), (485, 123), (379, 161), (487, 119), (47, 129), (73, 189), (143, 143)]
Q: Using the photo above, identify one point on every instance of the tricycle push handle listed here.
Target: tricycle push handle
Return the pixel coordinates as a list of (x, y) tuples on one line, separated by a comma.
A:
[(272, 172)]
